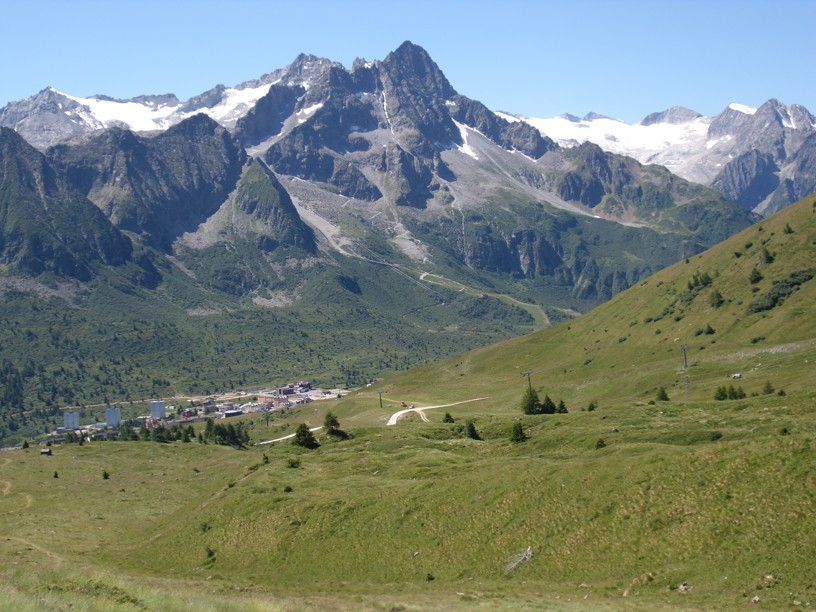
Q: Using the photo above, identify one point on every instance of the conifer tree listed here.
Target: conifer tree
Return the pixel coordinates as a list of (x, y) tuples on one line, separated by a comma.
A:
[(530, 403), (518, 435)]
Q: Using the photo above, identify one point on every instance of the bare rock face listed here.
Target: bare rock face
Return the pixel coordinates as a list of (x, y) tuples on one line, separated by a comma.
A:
[(47, 225), (673, 115)]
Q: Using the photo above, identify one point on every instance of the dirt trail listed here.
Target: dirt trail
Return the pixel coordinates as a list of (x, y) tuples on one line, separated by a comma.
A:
[(395, 417), (289, 436), (50, 554)]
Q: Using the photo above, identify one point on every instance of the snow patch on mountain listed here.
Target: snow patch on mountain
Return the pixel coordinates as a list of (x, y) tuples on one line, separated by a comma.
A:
[(742, 108), (145, 116), (646, 143), (304, 113), (465, 147), (236, 103), (134, 115)]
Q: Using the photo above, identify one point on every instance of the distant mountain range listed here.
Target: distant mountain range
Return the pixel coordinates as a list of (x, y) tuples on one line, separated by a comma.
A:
[(376, 197), (391, 144), (762, 158)]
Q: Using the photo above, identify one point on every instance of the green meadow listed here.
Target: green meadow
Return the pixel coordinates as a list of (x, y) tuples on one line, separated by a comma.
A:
[(627, 501)]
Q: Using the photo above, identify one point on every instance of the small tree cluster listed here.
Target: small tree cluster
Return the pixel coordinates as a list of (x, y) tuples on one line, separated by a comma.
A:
[(229, 435), (730, 392), (699, 280), (530, 404)]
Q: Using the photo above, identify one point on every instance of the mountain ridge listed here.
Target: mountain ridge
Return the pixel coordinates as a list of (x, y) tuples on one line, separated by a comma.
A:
[(702, 152), (713, 151)]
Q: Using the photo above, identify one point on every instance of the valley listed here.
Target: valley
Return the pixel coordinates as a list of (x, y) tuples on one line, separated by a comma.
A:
[(373, 229), (650, 492)]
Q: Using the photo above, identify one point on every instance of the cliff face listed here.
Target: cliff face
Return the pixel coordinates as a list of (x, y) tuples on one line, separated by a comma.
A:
[(46, 225)]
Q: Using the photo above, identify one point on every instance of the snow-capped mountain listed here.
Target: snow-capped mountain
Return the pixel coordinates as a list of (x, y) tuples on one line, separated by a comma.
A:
[(386, 160), (51, 116), (751, 155), (761, 158)]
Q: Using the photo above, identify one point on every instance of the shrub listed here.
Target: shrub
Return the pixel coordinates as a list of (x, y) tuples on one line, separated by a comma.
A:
[(600, 444), (755, 276), (779, 291), (766, 256), (105, 474), (662, 396), (304, 437), (331, 423), (716, 435), (448, 418), (518, 435), (593, 405), (469, 430), (768, 388), (293, 462)]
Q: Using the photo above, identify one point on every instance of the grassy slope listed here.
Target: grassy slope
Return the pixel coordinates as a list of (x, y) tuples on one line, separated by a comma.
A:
[(627, 348), (717, 494)]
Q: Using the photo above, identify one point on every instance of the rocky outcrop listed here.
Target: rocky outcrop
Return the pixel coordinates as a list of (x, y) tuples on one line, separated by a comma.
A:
[(46, 225), (748, 179), (157, 187)]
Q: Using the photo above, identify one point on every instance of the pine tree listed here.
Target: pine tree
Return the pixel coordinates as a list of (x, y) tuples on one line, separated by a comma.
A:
[(530, 403), (518, 435), (547, 406)]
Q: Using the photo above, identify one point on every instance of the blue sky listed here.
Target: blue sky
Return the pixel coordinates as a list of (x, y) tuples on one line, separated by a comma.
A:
[(621, 58)]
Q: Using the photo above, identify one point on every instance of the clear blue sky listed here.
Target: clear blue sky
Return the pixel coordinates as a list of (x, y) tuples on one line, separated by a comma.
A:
[(622, 58)]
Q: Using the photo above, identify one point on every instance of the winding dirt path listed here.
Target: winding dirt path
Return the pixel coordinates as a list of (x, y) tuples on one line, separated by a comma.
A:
[(5, 489), (50, 554), (288, 437), (421, 410)]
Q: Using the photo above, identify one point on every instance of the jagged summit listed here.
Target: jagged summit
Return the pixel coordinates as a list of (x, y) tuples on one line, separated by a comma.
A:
[(408, 94), (412, 67)]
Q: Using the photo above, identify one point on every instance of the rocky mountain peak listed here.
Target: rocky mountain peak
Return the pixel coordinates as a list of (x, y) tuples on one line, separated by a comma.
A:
[(728, 122), (411, 65)]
